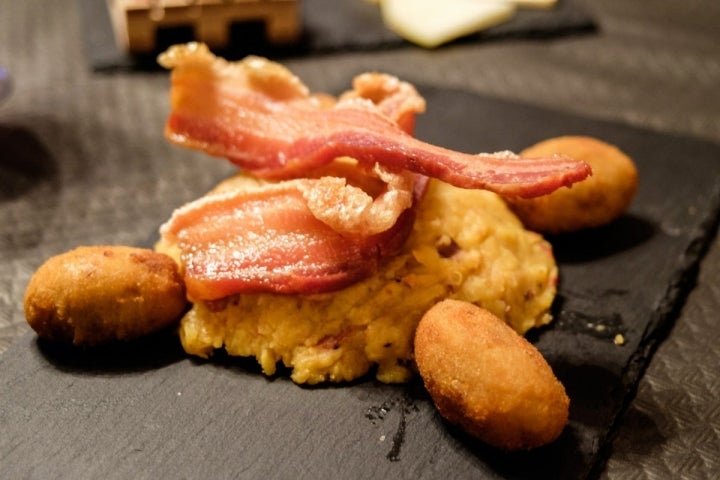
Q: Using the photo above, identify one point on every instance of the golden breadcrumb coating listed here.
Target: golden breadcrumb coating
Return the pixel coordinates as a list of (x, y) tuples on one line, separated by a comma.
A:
[(487, 379), (97, 294), (593, 202)]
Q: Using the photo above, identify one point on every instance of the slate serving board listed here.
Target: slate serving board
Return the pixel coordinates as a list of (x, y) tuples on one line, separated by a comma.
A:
[(145, 410), (328, 26)]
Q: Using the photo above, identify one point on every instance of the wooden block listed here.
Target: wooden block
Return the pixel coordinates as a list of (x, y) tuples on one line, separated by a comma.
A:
[(136, 22)]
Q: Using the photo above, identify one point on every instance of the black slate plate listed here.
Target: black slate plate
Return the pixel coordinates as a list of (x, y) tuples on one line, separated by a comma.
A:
[(145, 410), (328, 26)]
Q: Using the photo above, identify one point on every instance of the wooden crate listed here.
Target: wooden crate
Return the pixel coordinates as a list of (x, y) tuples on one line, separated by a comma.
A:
[(136, 22)]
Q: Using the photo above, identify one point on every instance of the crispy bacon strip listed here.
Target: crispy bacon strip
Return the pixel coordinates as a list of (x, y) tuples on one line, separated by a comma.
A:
[(398, 100), (261, 117), (350, 210), (269, 239)]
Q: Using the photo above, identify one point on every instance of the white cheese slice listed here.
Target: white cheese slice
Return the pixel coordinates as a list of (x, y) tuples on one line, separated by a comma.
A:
[(430, 23)]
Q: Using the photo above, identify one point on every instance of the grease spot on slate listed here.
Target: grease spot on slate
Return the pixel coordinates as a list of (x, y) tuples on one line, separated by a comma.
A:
[(404, 406), (602, 327), (583, 316)]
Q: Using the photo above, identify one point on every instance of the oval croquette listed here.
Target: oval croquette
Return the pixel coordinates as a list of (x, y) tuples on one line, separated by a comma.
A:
[(97, 294), (487, 379), (593, 202)]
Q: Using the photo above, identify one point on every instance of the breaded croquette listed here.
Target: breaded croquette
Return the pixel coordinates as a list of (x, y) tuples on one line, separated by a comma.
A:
[(593, 202), (93, 295), (487, 379)]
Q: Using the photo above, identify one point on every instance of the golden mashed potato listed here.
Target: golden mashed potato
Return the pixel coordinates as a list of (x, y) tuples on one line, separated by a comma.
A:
[(466, 245)]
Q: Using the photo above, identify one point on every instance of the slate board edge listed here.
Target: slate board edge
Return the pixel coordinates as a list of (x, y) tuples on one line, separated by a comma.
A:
[(660, 326)]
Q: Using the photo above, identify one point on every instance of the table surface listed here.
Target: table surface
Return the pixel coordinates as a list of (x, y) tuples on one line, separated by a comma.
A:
[(652, 64)]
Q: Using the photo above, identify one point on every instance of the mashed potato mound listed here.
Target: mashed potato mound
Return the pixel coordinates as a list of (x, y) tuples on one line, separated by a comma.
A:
[(466, 244)]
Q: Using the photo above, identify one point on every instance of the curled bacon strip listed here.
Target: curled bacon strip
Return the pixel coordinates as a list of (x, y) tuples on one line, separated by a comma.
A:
[(261, 117), (274, 237), (398, 100), (350, 210)]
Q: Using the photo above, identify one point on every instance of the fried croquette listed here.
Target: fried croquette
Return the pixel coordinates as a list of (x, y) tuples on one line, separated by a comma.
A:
[(487, 379), (94, 295), (593, 202), (465, 244)]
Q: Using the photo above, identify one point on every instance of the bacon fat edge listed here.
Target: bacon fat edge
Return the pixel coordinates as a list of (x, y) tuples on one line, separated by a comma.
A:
[(268, 239)]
